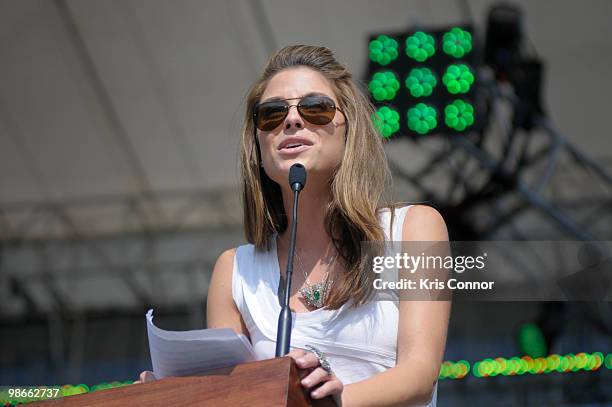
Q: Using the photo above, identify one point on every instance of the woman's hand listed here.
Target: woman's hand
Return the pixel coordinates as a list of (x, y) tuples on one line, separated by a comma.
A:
[(146, 376), (323, 383)]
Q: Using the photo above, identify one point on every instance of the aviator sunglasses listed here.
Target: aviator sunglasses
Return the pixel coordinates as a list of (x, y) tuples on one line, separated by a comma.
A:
[(315, 109)]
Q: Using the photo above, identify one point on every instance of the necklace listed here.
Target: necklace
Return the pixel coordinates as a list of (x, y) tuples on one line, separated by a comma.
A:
[(315, 294)]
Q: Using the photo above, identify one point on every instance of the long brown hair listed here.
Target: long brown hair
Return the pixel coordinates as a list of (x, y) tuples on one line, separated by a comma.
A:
[(357, 186)]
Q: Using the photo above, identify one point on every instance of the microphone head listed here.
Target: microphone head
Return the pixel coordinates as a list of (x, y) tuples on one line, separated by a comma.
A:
[(297, 177)]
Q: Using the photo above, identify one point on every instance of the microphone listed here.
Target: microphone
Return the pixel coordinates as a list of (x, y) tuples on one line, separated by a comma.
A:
[(297, 177), (297, 180)]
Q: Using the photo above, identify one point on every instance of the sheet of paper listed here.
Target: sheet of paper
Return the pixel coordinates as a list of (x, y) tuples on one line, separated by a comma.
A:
[(184, 353)]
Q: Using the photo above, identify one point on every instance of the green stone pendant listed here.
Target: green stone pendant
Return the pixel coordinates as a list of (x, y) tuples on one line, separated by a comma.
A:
[(315, 294)]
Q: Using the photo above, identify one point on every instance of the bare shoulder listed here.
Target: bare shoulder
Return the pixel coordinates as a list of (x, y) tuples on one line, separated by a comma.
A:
[(221, 310), (222, 271), (424, 223), (225, 261)]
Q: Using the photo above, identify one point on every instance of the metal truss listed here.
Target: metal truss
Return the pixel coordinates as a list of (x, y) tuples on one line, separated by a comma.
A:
[(486, 181), (94, 217), (120, 252)]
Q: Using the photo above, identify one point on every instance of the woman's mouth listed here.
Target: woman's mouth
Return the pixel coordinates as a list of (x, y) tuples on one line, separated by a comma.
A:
[(293, 148)]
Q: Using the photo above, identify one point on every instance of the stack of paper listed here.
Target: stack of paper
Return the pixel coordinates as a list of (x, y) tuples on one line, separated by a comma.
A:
[(185, 353)]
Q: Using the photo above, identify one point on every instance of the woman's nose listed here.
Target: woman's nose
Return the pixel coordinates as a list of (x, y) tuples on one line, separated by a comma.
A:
[(293, 119)]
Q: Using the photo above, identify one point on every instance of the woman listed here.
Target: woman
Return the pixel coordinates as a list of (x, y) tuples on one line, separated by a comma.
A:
[(330, 132), (306, 108)]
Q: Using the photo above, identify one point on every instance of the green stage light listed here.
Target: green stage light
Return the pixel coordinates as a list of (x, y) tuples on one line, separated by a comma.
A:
[(463, 367), (591, 362), (491, 367), (458, 78), (384, 86), (476, 370), (563, 364), (457, 42), (534, 365), (552, 363), (598, 357), (571, 362), (458, 116), (483, 368), (488, 367), (524, 365), (383, 50), (608, 361), (456, 370), (420, 46), (581, 360), (507, 367), (70, 390), (502, 365), (539, 366), (514, 366), (386, 121), (576, 363), (453, 372), (497, 368), (445, 370), (422, 118), (530, 364), (420, 82)]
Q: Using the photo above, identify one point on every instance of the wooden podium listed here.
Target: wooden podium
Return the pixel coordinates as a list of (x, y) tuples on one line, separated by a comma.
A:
[(269, 383)]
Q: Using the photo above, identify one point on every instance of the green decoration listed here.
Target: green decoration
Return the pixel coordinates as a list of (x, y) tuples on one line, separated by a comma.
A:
[(422, 118), (420, 46), (383, 50), (384, 86), (457, 42), (421, 82)]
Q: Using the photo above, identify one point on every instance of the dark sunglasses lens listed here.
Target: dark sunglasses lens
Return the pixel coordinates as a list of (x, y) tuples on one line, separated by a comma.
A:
[(317, 109), (270, 115)]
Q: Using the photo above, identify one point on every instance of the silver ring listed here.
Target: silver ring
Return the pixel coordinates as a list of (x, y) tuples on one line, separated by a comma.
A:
[(322, 358)]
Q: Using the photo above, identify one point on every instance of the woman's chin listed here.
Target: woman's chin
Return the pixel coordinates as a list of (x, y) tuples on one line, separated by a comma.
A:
[(314, 170), (286, 165)]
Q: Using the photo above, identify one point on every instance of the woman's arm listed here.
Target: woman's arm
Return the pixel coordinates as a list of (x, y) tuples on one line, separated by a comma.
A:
[(221, 310), (421, 336)]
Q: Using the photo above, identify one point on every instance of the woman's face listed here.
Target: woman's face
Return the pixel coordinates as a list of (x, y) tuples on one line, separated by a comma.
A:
[(322, 146)]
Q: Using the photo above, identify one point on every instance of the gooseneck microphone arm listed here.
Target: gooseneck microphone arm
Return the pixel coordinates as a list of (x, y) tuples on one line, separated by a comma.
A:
[(297, 180)]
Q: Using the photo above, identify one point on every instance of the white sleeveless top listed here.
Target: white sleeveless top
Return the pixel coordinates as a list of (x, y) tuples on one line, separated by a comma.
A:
[(358, 342)]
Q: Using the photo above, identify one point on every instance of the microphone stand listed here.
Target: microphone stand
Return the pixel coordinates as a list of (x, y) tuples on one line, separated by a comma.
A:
[(297, 179)]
